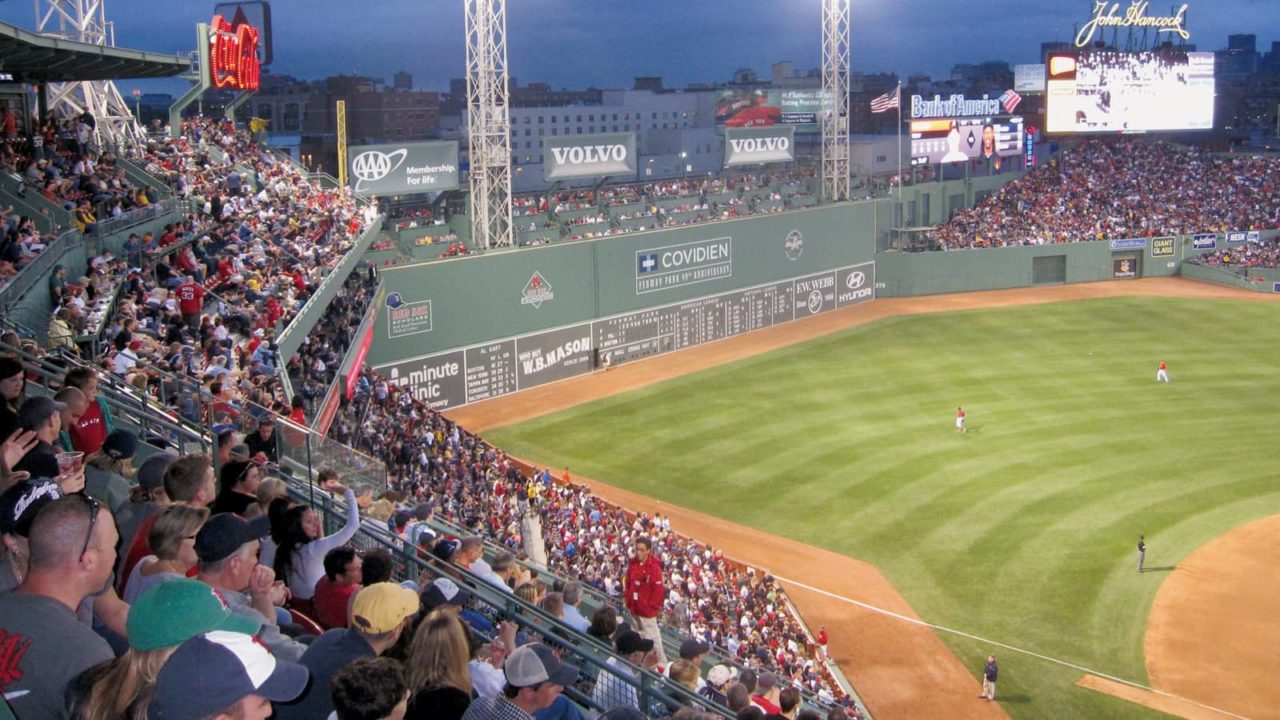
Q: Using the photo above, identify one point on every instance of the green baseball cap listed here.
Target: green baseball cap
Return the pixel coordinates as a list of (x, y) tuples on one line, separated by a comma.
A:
[(167, 614)]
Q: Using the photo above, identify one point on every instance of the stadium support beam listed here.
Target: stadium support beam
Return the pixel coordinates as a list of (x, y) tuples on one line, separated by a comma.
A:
[(488, 123), (202, 82), (341, 109), (229, 112), (835, 86), (85, 21)]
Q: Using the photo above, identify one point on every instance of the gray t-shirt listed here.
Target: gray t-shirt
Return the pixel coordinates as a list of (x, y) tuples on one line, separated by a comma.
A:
[(106, 486), (45, 647)]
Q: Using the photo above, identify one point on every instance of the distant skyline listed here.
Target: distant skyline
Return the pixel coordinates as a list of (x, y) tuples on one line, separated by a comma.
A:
[(576, 44)]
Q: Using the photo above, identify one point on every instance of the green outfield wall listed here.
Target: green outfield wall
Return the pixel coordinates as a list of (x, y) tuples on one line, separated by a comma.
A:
[(927, 273), (934, 203), (466, 329)]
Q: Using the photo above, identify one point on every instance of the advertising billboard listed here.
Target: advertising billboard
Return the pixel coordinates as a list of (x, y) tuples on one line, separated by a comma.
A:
[(762, 108), (256, 13), (234, 62), (598, 155), (1110, 92), (757, 145), (1028, 78), (401, 168), (948, 140)]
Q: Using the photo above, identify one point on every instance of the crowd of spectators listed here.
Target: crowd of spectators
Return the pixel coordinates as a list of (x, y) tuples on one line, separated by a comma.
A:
[(1107, 188), (1254, 254), (750, 194), (204, 300), (466, 481), (65, 168), (315, 366), (213, 576)]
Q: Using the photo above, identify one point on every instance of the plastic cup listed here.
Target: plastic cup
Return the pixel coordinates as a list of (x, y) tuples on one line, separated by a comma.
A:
[(68, 461)]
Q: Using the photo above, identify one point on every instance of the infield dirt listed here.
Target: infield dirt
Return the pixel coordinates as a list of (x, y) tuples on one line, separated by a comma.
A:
[(901, 670)]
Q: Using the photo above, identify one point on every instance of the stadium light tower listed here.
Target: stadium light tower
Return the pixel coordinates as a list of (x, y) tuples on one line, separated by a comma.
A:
[(488, 123), (85, 21), (835, 87)]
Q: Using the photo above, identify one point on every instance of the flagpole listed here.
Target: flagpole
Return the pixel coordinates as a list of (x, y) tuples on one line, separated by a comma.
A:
[(899, 140)]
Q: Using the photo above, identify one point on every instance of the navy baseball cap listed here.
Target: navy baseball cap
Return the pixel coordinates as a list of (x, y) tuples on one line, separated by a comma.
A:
[(213, 671), (20, 503), (225, 533), (394, 300)]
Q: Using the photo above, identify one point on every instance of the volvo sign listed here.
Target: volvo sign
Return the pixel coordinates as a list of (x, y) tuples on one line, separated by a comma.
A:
[(578, 156), (758, 145)]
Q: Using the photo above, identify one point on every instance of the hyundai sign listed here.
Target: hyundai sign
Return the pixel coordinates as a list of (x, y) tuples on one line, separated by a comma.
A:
[(598, 155), (757, 145), (403, 168)]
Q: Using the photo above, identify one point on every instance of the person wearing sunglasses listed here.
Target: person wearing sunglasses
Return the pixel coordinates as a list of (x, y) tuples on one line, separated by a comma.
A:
[(72, 545)]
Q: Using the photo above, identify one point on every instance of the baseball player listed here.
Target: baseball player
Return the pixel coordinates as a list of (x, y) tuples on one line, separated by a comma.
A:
[(960, 420), (1162, 372)]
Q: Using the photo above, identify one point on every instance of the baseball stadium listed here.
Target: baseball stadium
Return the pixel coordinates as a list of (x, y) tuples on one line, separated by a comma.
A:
[(728, 419)]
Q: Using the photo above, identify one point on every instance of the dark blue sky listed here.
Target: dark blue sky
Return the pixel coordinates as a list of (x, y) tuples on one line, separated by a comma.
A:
[(576, 43)]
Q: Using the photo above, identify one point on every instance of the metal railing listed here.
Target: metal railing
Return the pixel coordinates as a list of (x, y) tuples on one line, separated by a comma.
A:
[(304, 452), (129, 406), (137, 216), (654, 695), (38, 269), (290, 338)]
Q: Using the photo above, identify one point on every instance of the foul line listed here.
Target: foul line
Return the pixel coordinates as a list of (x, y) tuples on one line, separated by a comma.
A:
[(1005, 646)]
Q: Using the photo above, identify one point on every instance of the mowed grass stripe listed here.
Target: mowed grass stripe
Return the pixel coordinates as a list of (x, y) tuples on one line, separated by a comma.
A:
[(1021, 530)]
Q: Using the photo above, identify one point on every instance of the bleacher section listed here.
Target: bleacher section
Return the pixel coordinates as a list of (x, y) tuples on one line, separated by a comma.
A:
[(278, 257)]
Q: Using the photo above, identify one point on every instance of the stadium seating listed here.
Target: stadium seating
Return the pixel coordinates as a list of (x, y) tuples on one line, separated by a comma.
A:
[(1121, 188)]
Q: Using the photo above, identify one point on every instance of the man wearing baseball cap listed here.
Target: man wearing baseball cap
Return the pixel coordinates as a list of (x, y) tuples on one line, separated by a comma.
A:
[(535, 678), (162, 618), (40, 415), (224, 675), (379, 614), (611, 690), (18, 507), (227, 548)]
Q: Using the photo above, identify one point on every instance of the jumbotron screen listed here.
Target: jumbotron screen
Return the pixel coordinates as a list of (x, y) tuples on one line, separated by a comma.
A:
[(948, 140), (1118, 92)]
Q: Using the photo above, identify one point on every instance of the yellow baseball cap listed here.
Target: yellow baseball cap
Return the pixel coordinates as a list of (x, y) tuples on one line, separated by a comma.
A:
[(380, 607)]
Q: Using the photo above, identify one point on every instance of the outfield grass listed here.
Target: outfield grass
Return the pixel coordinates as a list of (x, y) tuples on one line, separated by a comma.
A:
[(1022, 530)]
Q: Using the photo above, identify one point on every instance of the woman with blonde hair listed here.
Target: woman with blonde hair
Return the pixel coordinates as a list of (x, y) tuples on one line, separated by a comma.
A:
[(173, 541), (532, 592), (159, 621), (268, 490), (439, 680)]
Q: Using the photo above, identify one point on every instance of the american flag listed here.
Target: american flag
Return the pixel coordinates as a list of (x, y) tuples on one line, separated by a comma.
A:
[(1009, 100), (886, 102)]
